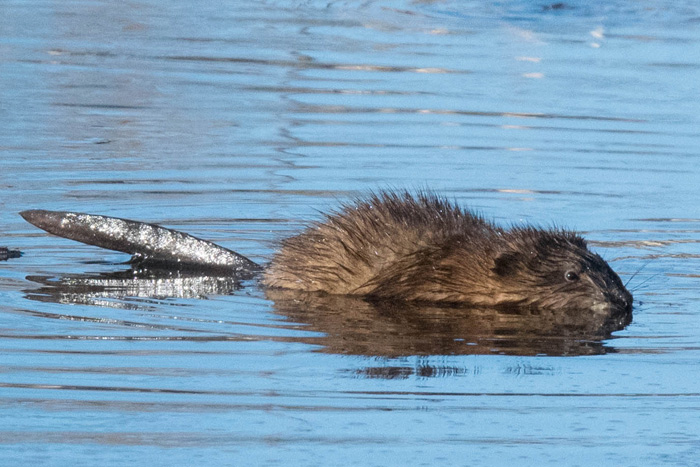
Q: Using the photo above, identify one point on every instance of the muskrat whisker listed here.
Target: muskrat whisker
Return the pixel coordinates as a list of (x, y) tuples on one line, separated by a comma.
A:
[(637, 272), (645, 281)]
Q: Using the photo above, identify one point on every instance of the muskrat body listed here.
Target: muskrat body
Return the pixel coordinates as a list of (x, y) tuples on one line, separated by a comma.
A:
[(423, 248), (393, 246)]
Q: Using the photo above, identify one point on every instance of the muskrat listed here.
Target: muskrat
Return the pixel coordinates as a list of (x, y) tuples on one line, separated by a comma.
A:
[(423, 248), (391, 246)]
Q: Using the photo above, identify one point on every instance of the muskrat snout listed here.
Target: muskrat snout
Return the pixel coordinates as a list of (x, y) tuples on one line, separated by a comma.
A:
[(616, 294), (620, 301), (623, 299)]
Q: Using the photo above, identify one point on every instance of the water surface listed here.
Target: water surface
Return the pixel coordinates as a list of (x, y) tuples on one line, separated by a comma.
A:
[(240, 123)]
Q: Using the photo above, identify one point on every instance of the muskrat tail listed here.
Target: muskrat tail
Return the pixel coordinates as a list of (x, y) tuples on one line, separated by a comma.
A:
[(148, 243)]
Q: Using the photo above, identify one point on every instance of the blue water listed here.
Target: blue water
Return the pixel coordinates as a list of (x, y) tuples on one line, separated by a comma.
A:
[(241, 122)]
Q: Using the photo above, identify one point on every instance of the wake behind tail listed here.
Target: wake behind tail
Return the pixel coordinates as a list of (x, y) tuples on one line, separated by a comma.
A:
[(148, 243)]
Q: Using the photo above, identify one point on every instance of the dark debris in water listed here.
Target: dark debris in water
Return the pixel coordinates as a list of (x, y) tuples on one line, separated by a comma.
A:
[(556, 6), (8, 253)]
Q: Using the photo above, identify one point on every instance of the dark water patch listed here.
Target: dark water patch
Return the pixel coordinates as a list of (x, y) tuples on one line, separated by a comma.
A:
[(536, 192), (306, 64), (99, 106), (366, 110)]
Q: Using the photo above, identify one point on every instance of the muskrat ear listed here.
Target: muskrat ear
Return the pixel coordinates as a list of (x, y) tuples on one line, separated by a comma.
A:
[(506, 263)]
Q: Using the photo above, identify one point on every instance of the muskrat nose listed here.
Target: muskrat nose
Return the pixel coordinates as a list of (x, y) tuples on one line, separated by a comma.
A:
[(623, 299)]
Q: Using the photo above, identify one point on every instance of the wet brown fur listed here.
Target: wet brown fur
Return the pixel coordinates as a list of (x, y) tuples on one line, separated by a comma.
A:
[(424, 248)]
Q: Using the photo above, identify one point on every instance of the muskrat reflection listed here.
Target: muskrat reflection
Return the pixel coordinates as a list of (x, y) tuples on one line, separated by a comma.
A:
[(393, 329), (354, 326), (111, 289)]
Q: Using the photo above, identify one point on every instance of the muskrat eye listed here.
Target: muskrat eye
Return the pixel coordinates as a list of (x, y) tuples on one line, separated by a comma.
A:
[(571, 276)]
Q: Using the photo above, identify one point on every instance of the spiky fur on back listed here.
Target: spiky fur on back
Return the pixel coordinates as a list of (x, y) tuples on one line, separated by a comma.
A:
[(350, 250)]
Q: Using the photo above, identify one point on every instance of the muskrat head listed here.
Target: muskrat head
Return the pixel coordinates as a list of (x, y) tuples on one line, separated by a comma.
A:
[(554, 270)]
